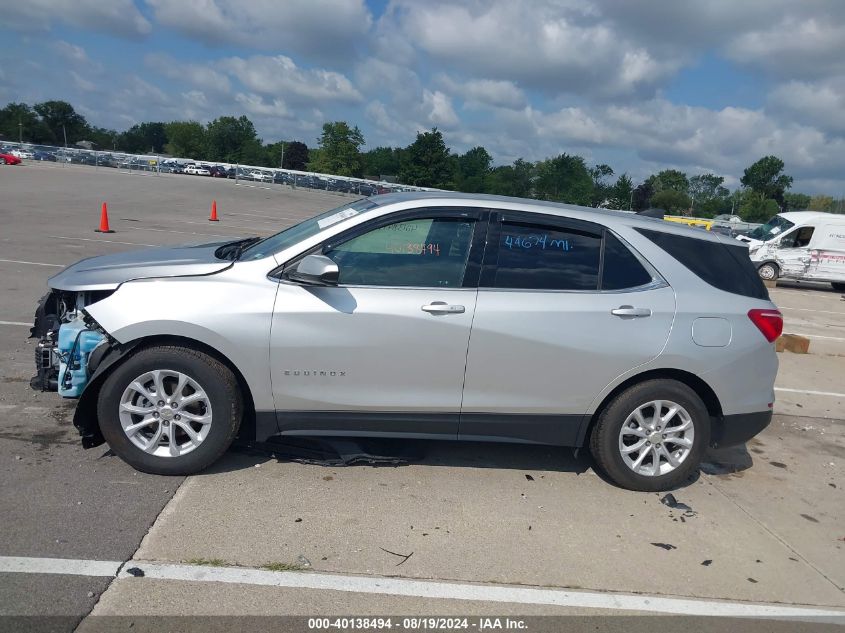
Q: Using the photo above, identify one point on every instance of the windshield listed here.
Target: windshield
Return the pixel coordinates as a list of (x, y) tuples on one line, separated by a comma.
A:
[(304, 230), (771, 229)]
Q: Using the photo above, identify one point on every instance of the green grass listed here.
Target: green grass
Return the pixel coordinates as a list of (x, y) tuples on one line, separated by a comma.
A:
[(282, 567), (207, 562)]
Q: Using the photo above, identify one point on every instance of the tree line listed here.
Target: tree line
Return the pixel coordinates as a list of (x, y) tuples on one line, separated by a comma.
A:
[(426, 162)]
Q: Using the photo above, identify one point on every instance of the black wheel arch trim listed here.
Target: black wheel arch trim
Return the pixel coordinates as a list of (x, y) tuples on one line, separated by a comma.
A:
[(100, 362), (694, 382), (85, 417)]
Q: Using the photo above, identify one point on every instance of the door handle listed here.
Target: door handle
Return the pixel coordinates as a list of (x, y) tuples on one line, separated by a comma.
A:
[(630, 311), (441, 307)]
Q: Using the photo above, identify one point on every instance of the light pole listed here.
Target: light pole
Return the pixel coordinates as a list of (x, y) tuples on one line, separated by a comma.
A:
[(20, 131), (282, 159), (631, 201)]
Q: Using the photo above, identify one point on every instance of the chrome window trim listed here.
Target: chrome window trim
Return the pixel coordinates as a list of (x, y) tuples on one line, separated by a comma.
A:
[(654, 284)]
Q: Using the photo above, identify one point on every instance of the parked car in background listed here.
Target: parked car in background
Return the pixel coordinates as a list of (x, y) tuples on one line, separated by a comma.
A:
[(260, 176), (529, 322), (219, 171), (9, 159), (734, 223), (22, 153), (802, 245), (282, 178), (42, 155), (197, 170)]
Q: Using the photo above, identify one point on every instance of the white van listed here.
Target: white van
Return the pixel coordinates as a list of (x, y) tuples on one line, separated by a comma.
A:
[(805, 245)]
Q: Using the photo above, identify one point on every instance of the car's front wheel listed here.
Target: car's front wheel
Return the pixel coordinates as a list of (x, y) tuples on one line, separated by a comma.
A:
[(651, 436), (838, 286), (769, 271), (170, 410)]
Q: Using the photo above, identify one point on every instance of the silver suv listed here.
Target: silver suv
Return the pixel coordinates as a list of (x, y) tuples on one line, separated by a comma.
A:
[(422, 315)]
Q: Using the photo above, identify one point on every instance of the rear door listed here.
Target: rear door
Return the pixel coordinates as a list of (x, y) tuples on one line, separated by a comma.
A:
[(564, 307)]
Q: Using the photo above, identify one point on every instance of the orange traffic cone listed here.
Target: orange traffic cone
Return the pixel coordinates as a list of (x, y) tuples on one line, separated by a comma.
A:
[(213, 217), (104, 220)]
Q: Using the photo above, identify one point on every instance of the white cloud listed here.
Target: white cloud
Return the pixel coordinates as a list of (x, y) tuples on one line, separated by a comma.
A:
[(486, 92), (71, 52), (387, 125), (794, 47), (81, 83), (201, 75), (557, 47), (820, 103), (116, 17), (254, 104), (438, 109), (320, 29), (280, 76)]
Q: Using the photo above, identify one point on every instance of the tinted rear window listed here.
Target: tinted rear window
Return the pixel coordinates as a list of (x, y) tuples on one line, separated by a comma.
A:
[(723, 266), (621, 268)]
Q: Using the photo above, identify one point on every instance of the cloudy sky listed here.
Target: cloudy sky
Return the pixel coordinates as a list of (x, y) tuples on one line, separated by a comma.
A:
[(700, 85)]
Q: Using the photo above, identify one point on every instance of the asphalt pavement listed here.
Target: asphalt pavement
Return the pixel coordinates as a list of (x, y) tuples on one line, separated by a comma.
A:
[(461, 529)]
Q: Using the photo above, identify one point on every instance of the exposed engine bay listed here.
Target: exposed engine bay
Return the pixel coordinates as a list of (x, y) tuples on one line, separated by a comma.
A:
[(67, 340)]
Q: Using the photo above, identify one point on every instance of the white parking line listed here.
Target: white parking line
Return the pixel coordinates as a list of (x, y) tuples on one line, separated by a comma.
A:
[(828, 338), (15, 323), (237, 226), (92, 239), (243, 184), (412, 588), (141, 228), (809, 310), (266, 217), (811, 393), (17, 261), (63, 566)]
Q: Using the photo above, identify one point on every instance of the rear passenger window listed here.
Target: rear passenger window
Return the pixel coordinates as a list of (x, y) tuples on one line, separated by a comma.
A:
[(723, 266), (621, 267), (546, 258)]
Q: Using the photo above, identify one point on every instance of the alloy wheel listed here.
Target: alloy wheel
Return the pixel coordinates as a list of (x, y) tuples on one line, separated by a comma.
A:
[(656, 438), (165, 413)]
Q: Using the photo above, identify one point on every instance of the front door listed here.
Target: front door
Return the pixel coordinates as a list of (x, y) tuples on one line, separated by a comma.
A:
[(551, 330), (793, 253), (384, 351)]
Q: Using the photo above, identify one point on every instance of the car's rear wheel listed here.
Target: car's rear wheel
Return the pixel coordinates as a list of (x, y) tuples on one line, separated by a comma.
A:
[(652, 436), (170, 410), (768, 271), (838, 286)]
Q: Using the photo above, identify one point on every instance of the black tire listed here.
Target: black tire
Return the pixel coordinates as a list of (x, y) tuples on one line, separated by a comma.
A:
[(769, 271), (838, 286), (604, 440), (218, 382)]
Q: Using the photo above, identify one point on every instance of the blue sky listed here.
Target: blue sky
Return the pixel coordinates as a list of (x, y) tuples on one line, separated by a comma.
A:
[(698, 86)]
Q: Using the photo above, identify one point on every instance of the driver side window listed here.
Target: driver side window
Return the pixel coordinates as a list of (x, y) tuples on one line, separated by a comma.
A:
[(798, 239), (423, 252)]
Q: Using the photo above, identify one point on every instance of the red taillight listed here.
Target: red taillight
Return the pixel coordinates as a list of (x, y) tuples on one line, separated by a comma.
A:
[(769, 322)]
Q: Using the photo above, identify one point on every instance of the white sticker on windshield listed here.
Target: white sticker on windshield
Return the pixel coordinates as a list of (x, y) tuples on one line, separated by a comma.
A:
[(337, 217)]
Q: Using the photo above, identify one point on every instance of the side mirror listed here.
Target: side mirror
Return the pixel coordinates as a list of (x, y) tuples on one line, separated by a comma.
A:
[(316, 270)]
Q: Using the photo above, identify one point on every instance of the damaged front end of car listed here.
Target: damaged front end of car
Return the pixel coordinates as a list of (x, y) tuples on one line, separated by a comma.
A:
[(73, 351), (72, 354)]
